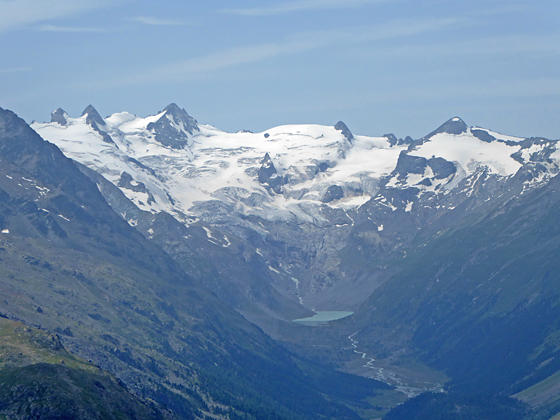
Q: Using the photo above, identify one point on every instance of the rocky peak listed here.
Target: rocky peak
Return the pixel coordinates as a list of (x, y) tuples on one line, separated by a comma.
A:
[(92, 116), (267, 168), (59, 116), (174, 127), (268, 175), (24, 148), (97, 123), (180, 116), (454, 125), (12, 127), (341, 126)]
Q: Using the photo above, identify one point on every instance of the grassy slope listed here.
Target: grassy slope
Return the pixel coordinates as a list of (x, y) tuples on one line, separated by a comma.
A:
[(481, 300), (40, 379)]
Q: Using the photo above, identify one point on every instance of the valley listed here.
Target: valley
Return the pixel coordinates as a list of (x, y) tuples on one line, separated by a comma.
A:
[(279, 210)]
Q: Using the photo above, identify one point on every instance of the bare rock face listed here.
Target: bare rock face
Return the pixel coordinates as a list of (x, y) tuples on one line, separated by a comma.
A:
[(454, 125), (126, 181), (334, 192), (268, 175), (92, 116), (174, 128), (59, 116), (96, 121), (341, 126)]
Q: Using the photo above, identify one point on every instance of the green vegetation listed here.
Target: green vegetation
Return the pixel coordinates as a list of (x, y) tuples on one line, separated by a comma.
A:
[(55, 391), (431, 406), (480, 301), (40, 379), (21, 345)]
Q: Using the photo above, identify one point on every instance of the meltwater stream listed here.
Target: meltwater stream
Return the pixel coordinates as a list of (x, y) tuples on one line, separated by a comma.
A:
[(376, 370), (383, 374)]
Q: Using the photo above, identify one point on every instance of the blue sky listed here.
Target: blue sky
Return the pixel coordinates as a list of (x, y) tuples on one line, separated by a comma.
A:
[(401, 66)]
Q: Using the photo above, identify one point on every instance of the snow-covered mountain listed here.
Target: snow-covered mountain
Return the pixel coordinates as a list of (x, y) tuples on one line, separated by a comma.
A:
[(175, 164), (302, 200)]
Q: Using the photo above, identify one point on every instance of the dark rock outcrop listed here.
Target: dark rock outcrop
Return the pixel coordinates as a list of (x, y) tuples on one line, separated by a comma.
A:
[(454, 125), (483, 135), (97, 123), (333, 193), (174, 128), (410, 164), (92, 116), (268, 175), (127, 182), (59, 116), (341, 126), (442, 168)]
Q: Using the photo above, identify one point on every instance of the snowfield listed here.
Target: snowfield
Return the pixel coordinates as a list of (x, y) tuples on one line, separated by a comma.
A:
[(312, 166)]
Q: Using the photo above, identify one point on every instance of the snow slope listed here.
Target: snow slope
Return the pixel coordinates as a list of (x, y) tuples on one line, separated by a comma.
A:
[(221, 165), (306, 159), (470, 153)]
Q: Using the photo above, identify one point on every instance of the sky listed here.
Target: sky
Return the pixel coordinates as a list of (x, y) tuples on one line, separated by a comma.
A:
[(381, 66)]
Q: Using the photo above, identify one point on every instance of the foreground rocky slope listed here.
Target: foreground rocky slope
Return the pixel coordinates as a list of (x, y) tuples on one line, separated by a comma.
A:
[(40, 379)]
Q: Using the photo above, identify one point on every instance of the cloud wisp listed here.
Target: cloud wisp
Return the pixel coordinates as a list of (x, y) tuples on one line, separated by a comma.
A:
[(156, 21), (498, 45), (194, 67), (20, 13), (299, 6), (22, 69), (76, 29)]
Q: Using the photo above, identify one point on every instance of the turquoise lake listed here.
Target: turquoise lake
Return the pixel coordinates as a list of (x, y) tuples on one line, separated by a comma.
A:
[(323, 317)]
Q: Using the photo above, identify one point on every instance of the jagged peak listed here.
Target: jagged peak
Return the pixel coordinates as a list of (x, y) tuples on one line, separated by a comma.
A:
[(92, 115), (179, 114), (173, 108), (59, 116), (8, 119), (267, 165), (454, 125), (341, 126), (10, 122), (268, 175), (174, 127)]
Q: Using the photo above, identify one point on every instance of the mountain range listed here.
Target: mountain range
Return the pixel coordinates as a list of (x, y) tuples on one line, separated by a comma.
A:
[(290, 199), (175, 256)]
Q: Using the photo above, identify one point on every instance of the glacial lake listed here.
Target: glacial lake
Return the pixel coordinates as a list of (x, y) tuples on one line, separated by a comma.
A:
[(323, 317)]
